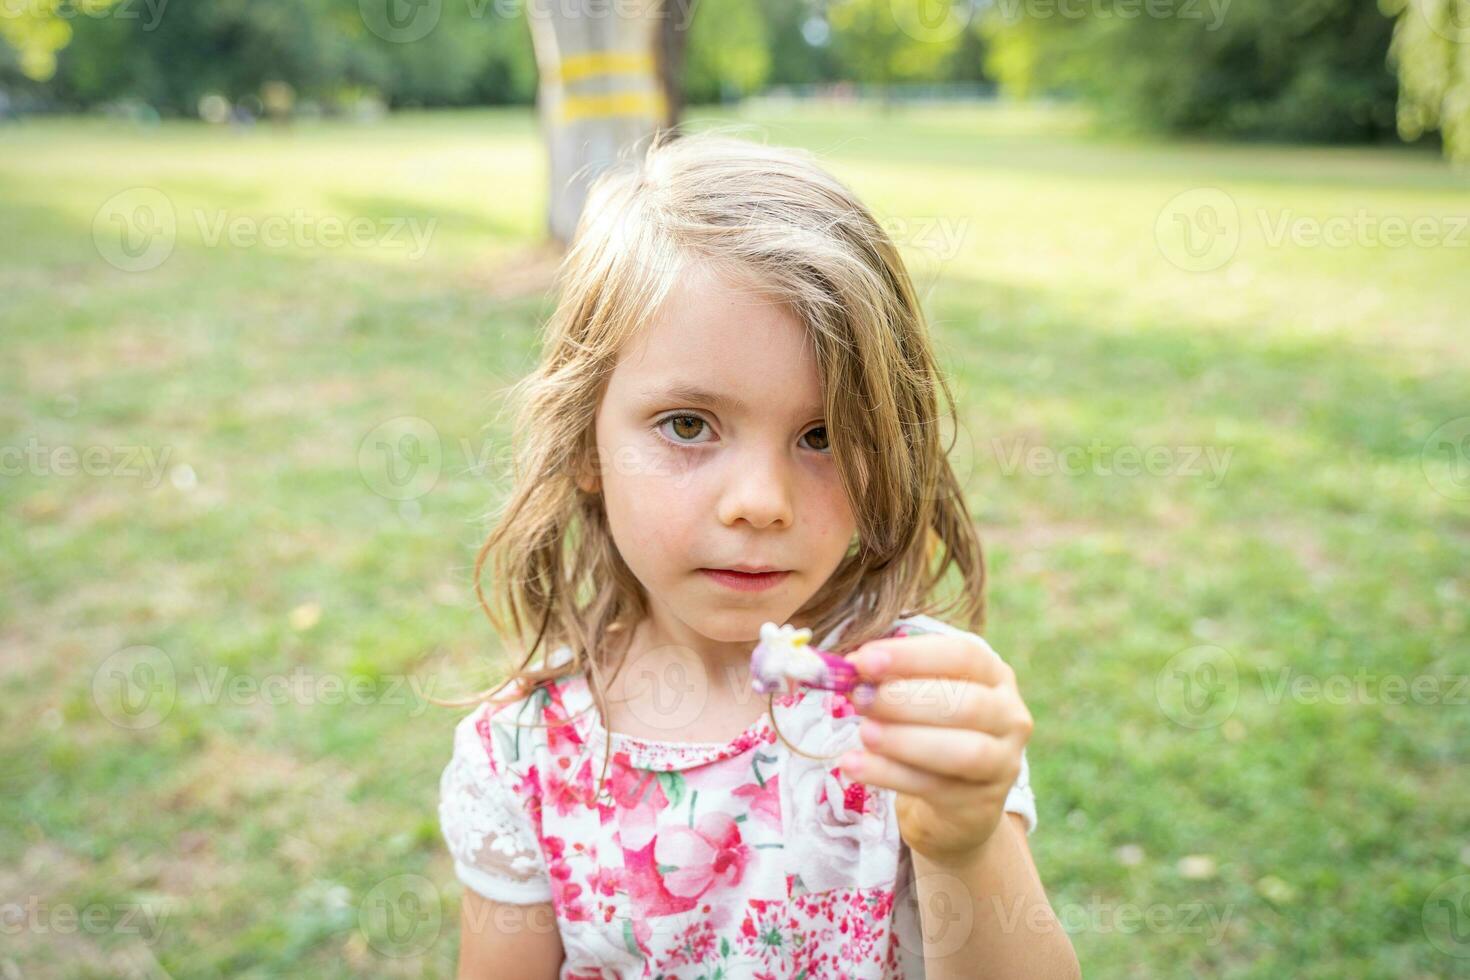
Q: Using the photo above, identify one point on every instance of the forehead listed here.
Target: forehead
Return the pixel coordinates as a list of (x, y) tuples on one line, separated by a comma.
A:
[(716, 335)]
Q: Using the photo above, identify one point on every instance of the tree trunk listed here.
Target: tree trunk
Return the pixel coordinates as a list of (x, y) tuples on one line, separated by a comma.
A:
[(608, 72)]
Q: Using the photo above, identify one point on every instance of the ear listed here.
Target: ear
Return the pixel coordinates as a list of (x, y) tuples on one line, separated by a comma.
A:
[(588, 482), (587, 478)]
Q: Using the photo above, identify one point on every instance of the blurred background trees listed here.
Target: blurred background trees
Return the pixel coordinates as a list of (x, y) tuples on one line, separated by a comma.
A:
[(1315, 70)]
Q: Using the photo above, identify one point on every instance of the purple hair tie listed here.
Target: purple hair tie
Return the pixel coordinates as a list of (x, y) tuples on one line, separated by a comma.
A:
[(785, 659)]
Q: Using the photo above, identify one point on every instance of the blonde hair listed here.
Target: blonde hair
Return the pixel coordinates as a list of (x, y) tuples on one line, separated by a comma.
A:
[(773, 216)]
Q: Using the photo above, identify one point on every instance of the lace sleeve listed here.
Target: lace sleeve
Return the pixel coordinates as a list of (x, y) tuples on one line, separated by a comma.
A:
[(489, 836)]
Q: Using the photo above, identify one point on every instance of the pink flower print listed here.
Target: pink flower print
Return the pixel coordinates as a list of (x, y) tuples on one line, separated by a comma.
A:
[(764, 801), (709, 854), (569, 794), (647, 891), (855, 797), (695, 945), (840, 706), (562, 737), (638, 797), (761, 935), (603, 881), (528, 787), (565, 893)]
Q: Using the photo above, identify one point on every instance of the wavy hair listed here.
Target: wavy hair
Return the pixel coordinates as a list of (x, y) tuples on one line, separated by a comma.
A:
[(774, 216)]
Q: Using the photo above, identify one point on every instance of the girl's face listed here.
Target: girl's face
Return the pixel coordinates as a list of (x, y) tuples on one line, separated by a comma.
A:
[(713, 454)]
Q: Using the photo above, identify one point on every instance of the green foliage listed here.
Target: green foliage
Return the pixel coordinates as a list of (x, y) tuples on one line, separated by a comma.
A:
[(171, 55), (1430, 52), (36, 30), (1248, 68), (887, 41), (322, 49), (728, 54)]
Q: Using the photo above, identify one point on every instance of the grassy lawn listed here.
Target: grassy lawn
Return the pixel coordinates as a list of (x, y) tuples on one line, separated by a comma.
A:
[(1214, 454)]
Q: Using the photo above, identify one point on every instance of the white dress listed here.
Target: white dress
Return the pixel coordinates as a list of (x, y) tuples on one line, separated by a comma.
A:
[(693, 856)]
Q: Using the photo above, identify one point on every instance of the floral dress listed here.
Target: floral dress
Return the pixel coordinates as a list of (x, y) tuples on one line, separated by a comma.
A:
[(697, 859)]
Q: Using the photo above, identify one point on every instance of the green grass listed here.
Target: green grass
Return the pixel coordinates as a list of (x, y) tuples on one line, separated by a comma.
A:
[(264, 833)]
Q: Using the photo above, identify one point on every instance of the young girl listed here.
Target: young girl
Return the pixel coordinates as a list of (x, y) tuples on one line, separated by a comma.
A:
[(734, 422)]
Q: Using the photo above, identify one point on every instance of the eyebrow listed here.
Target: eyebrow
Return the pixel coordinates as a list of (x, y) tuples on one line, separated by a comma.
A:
[(694, 395)]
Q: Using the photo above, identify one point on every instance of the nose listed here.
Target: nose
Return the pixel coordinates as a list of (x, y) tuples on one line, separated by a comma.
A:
[(757, 489)]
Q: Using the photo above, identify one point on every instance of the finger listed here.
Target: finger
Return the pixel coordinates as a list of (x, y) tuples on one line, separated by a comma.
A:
[(878, 770), (952, 752), (966, 657), (942, 701)]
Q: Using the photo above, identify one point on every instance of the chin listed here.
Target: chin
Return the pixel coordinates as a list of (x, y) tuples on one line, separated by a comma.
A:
[(736, 625)]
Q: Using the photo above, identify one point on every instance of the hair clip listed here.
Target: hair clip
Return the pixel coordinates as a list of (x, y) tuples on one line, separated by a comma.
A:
[(785, 659)]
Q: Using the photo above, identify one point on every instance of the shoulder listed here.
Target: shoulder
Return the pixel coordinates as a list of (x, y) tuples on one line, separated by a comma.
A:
[(507, 732)]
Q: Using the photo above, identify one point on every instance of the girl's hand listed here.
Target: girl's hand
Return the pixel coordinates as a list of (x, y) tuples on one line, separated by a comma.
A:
[(944, 728)]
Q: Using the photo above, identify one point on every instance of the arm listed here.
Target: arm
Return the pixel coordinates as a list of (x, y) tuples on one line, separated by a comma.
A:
[(1010, 925), (499, 941), (495, 852), (946, 727)]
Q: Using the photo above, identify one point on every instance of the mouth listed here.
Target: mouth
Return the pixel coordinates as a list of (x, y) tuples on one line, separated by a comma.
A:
[(747, 579)]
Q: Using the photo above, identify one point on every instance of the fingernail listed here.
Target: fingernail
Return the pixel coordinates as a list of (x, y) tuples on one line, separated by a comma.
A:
[(870, 731), (853, 762), (876, 661), (864, 695)]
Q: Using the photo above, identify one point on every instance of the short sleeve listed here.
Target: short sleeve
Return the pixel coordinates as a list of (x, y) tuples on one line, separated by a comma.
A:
[(1020, 798), (485, 825)]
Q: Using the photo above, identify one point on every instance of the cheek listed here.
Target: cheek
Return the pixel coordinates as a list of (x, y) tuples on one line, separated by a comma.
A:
[(649, 503), (831, 517)]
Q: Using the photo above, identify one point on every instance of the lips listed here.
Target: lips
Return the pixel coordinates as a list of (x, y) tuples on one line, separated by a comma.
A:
[(748, 578)]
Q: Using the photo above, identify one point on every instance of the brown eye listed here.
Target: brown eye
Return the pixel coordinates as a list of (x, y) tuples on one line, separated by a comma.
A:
[(685, 427), (818, 439)]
